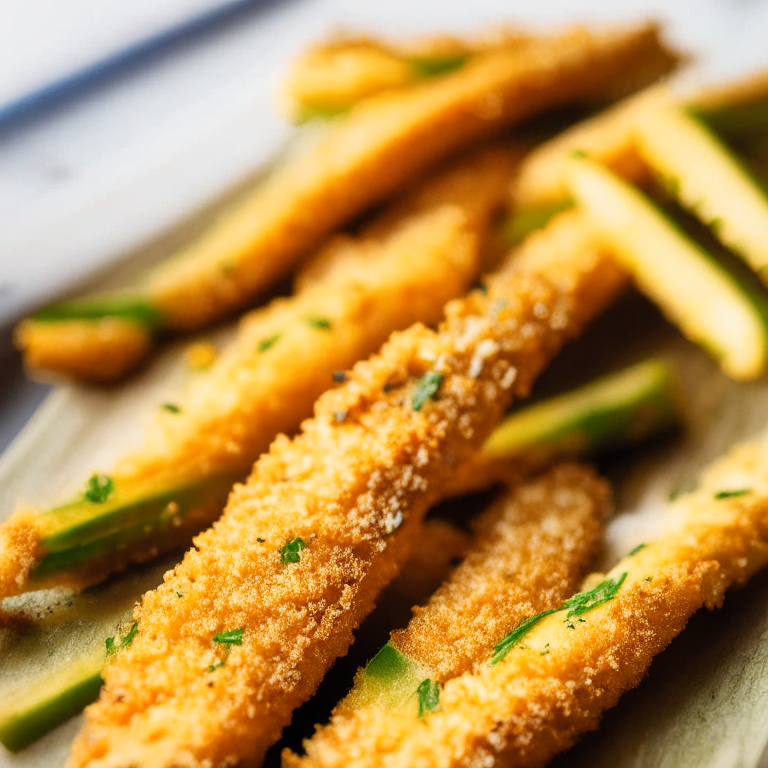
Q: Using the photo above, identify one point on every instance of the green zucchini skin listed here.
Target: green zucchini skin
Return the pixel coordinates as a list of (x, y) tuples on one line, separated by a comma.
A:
[(133, 308), (27, 724), (619, 409), (51, 669)]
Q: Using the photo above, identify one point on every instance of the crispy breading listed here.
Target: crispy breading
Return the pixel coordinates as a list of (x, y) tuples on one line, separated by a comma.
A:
[(285, 355), (531, 550), (101, 351), (353, 491), (442, 547), (565, 672), (386, 141)]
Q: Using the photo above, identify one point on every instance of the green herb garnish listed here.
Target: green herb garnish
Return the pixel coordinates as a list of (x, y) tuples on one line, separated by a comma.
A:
[(576, 605), (426, 389), (98, 488), (218, 664), (318, 322), (179, 593), (578, 154), (515, 637), (731, 494), (290, 552), (229, 637), (637, 549), (171, 408), (265, 344), (113, 645), (481, 286), (586, 601), (429, 696), (339, 377)]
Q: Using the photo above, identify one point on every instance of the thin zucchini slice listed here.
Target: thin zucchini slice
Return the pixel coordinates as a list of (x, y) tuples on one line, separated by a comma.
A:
[(708, 302)]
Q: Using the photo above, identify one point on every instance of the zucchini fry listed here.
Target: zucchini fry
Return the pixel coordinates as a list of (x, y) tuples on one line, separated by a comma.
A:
[(385, 142), (327, 519), (552, 678), (531, 549), (283, 358)]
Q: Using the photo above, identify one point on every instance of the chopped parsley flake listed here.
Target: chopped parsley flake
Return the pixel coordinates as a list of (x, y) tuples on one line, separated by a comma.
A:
[(637, 549), (171, 408), (339, 377), (585, 601), (576, 605), (229, 637), (426, 389), (218, 664), (260, 540), (482, 287), (388, 387), (515, 637), (98, 488), (731, 494), (648, 578), (321, 323), (290, 552), (429, 696), (179, 593), (578, 153), (113, 645), (265, 344)]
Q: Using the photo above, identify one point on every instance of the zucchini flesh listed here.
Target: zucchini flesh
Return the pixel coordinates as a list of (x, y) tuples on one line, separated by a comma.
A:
[(618, 409), (78, 534), (712, 305), (51, 672), (706, 178)]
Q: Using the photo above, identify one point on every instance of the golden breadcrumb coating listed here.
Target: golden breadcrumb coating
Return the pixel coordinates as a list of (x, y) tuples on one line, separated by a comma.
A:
[(384, 142), (285, 355), (100, 351), (442, 546), (556, 682), (531, 550), (352, 489)]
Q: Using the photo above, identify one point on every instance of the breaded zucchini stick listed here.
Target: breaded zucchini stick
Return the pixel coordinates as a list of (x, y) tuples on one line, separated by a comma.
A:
[(385, 142), (530, 551), (331, 76), (273, 592), (552, 678), (284, 357)]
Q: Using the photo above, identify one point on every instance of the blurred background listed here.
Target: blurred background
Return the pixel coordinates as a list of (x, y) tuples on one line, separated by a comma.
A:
[(118, 120)]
